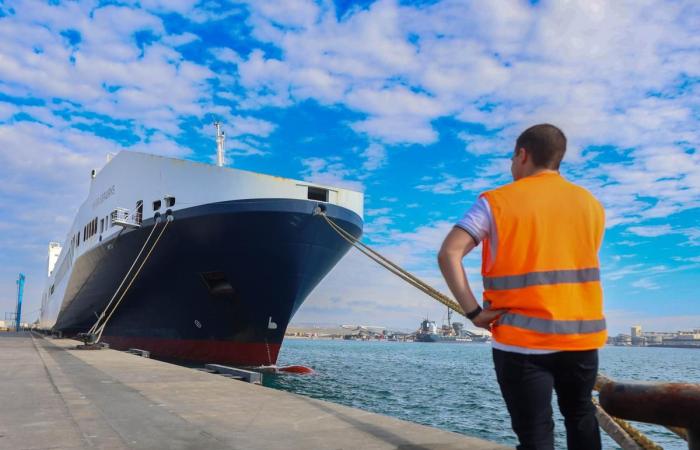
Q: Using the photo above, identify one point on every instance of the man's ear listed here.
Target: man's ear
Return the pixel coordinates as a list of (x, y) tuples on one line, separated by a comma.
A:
[(525, 156)]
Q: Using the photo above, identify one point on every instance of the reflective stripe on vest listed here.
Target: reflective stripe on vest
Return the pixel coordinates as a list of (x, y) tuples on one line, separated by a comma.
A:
[(540, 278), (552, 326)]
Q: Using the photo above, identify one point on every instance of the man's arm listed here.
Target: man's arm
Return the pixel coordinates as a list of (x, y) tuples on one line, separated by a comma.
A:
[(455, 247)]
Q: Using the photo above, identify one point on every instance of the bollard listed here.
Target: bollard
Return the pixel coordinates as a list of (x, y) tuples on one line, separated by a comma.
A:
[(669, 404)]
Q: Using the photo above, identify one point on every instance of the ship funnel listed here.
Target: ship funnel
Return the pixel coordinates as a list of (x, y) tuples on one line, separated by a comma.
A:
[(220, 138)]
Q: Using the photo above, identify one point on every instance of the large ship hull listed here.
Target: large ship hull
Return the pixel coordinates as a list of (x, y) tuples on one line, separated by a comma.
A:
[(221, 285)]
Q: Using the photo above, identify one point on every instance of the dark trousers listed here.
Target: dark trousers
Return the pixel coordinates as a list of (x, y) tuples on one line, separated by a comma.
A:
[(526, 383)]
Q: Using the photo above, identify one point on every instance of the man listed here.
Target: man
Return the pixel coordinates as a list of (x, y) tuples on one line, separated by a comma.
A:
[(542, 295)]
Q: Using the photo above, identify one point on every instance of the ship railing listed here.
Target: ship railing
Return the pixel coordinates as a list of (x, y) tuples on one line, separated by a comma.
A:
[(673, 405), (126, 218)]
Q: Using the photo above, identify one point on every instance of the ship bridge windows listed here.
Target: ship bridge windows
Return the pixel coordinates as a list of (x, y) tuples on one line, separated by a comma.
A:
[(156, 205), (318, 194), (169, 201)]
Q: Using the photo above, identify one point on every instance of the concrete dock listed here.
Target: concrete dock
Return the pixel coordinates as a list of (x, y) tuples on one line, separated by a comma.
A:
[(54, 397)]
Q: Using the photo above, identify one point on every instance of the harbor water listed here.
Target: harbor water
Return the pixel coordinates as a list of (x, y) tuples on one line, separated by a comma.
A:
[(453, 386)]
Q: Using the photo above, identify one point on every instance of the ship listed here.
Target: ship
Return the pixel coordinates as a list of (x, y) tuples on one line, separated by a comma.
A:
[(225, 257), (453, 332)]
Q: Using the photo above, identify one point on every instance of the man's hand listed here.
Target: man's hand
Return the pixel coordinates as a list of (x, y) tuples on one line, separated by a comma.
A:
[(486, 318)]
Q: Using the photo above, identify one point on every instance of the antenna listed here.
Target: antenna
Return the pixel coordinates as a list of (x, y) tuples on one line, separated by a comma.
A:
[(220, 138)]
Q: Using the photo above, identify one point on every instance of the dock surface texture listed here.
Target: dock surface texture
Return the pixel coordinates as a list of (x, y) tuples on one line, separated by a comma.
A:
[(54, 397)]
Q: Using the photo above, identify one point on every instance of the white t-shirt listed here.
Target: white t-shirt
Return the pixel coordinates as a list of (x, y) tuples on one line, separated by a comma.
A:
[(479, 223)]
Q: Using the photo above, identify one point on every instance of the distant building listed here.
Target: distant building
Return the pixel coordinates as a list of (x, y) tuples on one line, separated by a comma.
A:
[(636, 336), (622, 339), (686, 339)]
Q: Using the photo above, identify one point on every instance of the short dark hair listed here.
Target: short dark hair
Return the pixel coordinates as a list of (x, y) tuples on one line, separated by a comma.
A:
[(545, 143)]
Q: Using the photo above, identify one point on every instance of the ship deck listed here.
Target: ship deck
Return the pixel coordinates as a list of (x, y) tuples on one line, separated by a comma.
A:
[(56, 397)]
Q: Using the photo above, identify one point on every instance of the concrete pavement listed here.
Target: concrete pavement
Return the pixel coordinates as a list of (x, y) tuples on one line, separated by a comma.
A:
[(53, 397)]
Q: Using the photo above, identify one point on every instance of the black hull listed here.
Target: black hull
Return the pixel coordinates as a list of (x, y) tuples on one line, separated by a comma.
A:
[(272, 253)]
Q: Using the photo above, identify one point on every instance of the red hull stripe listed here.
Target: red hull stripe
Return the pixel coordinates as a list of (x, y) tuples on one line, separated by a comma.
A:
[(219, 352)]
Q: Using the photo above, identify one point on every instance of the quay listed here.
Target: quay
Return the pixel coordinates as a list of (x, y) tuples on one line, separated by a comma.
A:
[(56, 397)]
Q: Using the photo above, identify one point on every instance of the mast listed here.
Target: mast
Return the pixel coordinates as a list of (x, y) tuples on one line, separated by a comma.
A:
[(220, 138)]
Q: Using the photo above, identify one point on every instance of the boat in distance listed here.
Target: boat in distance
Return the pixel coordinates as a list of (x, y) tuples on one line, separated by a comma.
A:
[(240, 254)]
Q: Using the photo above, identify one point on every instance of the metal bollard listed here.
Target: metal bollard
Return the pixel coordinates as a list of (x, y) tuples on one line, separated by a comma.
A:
[(669, 404)]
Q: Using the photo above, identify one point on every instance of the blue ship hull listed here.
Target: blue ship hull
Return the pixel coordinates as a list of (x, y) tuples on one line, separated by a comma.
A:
[(221, 285)]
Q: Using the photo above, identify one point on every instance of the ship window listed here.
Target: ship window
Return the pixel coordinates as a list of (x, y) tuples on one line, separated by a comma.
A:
[(217, 283), (318, 194), (169, 201), (77, 241), (156, 205), (102, 225)]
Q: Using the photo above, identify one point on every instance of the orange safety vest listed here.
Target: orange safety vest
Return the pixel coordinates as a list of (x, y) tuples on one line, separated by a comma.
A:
[(545, 271)]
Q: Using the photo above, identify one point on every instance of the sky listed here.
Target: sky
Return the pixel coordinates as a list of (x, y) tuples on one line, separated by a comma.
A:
[(417, 104)]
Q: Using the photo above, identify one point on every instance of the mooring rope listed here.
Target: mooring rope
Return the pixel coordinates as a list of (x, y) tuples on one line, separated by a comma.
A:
[(100, 329), (635, 435), (391, 266), (128, 272)]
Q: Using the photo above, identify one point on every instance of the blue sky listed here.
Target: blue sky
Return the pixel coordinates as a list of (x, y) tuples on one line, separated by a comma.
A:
[(415, 103)]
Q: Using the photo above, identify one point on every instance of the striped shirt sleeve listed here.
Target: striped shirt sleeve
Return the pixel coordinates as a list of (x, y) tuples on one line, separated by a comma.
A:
[(477, 221)]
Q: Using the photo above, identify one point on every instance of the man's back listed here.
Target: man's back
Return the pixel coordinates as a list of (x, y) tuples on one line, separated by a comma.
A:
[(545, 271)]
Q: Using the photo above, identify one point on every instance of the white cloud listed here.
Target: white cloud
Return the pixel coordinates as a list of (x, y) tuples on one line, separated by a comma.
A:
[(106, 72), (377, 212), (610, 74), (651, 230), (374, 156), (645, 284), (358, 288), (330, 172)]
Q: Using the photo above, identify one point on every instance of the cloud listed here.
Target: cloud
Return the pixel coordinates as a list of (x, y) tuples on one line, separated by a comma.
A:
[(374, 156), (503, 67), (646, 284), (691, 233), (109, 71), (651, 231), (358, 288), (330, 172)]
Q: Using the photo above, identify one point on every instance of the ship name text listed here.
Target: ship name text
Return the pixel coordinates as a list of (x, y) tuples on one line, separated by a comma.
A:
[(103, 196)]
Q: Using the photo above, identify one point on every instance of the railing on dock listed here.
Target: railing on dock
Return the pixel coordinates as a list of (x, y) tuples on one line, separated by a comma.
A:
[(673, 405)]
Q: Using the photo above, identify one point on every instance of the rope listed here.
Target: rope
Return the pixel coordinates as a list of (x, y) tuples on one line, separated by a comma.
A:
[(393, 267), (101, 328), (639, 439), (128, 272)]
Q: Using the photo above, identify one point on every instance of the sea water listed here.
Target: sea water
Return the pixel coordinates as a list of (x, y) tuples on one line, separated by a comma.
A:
[(453, 386)]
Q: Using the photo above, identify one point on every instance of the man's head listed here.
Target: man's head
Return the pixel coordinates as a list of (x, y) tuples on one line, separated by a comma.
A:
[(540, 147)]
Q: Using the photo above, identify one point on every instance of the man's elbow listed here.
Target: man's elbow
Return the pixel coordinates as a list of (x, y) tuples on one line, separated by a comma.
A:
[(444, 257)]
